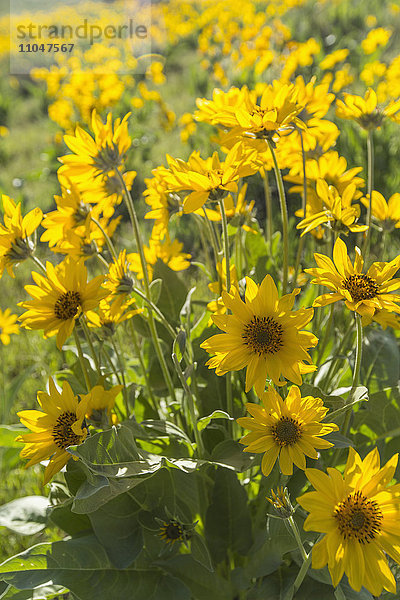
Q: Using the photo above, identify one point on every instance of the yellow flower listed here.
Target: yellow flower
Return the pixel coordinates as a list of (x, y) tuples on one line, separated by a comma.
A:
[(8, 326), (376, 37), (60, 298), (217, 306), (338, 211), (209, 179), (366, 111), (119, 282), (333, 58), (386, 212), (264, 334), (15, 245), (99, 155), (170, 252), (359, 513), (362, 292), (58, 425), (290, 429), (109, 316), (240, 214), (100, 399)]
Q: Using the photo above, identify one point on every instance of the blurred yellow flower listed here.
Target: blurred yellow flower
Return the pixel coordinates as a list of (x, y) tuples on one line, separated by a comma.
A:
[(365, 111), (388, 213), (8, 326)]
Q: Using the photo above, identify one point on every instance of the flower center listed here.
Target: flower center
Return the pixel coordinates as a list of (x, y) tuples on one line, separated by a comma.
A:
[(172, 531), (63, 435), (286, 432), (361, 287), (67, 305), (263, 335), (358, 518)]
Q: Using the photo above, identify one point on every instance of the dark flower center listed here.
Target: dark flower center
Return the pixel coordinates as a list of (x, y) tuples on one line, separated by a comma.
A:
[(358, 518), (361, 287), (67, 305), (286, 431), (263, 335), (172, 531), (63, 435)]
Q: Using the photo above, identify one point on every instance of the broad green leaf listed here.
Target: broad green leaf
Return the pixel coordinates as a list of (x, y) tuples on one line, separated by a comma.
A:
[(173, 292), (217, 414), (203, 584), (116, 526), (25, 515), (82, 566), (155, 290), (8, 433), (228, 523), (71, 522), (230, 454), (380, 367), (200, 551), (380, 415), (46, 592)]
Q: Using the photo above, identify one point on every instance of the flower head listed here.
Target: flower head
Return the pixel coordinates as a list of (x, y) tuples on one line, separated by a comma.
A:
[(289, 429), (100, 399), (99, 155), (15, 245), (60, 298), (366, 111), (362, 292), (264, 334), (58, 425), (8, 326), (387, 213), (359, 513)]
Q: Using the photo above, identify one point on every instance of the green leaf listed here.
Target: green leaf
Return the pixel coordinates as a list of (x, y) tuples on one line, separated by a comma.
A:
[(380, 415), (155, 290), (83, 567), (230, 454), (25, 515), (71, 522), (116, 527), (228, 523), (200, 551), (173, 293), (217, 414), (46, 592), (380, 367), (203, 584), (8, 433)]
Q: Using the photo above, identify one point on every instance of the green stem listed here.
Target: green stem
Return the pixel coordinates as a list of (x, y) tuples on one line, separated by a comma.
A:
[(122, 371), (142, 365), (285, 218), (370, 158), (38, 263), (158, 312), (303, 208), (90, 343), (214, 243), (152, 325), (229, 400), (268, 207), (109, 243), (82, 360), (302, 573), (197, 435), (327, 333), (356, 378), (296, 534)]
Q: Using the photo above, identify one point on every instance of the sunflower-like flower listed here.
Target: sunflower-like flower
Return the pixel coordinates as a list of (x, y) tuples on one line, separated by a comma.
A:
[(264, 334), (387, 213), (359, 513), (337, 212), (60, 298), (8, 326), (15, 245), (96, 156), (209, 179), (365, 111), (362, 292), (217, 306), (99, 399), (290, 429), (119, 281), (58, 425), (169, 251), (108, 316)]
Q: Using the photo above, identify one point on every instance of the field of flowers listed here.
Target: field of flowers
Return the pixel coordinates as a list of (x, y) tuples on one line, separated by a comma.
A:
[(200, 305)]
